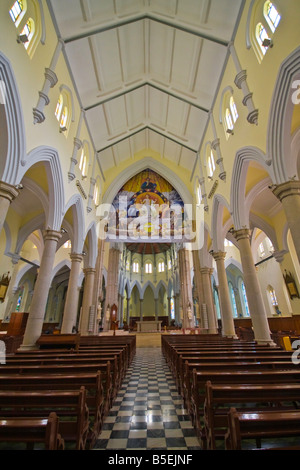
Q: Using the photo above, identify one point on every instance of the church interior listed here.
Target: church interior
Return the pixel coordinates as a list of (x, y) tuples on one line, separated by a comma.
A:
[(149, 203)]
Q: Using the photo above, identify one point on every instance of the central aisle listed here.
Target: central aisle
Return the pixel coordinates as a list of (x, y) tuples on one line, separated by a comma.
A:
[(148, 412)]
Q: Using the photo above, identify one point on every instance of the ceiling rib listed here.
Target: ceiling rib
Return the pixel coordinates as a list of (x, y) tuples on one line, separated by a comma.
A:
[(147, 16), (130, 89), (141, 129)]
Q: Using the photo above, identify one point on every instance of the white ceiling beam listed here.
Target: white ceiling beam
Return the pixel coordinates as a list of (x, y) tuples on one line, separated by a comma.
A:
[(164, 89), (153, 17)]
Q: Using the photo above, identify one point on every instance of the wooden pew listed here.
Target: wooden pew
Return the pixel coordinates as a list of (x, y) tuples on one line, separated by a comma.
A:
[(109, 373), (261, 425), (32, 431), (220, 398), (91, 381), (70, 406)]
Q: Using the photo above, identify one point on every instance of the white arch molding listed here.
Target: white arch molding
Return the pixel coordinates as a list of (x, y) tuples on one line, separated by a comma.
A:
[(51, 158), (13, 147), (137, 167)]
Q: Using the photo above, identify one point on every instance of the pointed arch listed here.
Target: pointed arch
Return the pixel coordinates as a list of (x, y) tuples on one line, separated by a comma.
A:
[(143, 290), (158, 286), (91, 236), (50, 157), (238, 181), (218, 234), (137, 167), (13, 142), (280, 118), (75, 202)]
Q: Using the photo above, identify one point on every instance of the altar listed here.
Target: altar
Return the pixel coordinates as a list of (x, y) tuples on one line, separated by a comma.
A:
[(147, 326)]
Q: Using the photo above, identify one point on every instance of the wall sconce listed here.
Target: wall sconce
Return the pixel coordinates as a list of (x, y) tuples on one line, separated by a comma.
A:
[(267, 42), (4, 283), (229, 131), (62, 129), (22, 39)]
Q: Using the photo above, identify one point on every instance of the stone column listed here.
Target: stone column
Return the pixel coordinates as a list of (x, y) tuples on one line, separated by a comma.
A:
[(9, 294), (71, 305), (225, 304), (127, 310), (7, 194), (288, 194), (253, 291), (41, 290), (141, 309), (208, 299), (156, 308), (177, 308), (169, 310), (198, 280), (113, 277), (87, 300), (186, 288)]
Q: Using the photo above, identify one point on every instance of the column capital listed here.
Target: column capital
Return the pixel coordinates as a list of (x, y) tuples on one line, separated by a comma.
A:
[(218, 255), (8, 191), (279, 255), (89, 271), (241, 233), (206, 270), (50, 234), (78, 257), (288, 188)]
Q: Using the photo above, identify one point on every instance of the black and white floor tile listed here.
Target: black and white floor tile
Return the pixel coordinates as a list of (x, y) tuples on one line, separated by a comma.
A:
[(148, 413)]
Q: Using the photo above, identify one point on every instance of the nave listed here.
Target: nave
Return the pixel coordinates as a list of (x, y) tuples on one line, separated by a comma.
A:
[(148, 412)]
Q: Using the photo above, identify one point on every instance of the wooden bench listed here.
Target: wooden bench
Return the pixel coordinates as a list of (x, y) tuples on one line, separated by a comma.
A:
[(31, 431), (199, 379), (211, 420), (91, 381), (70, 406), (244, 426)]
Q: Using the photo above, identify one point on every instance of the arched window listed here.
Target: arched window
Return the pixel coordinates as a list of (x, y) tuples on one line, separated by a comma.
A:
[(127, 265), (172, 307), (233, 109), (161, 267), (233, 301), (27, 17), (262, 37), (83, 160), (96, 196), (211, 166), (135, 267), (198, 194), (63, 110), (272, 16), (265, 20), (58, 108), (228, 111), (272, 295), (244, 299), (148, 268), (28, 30), (17, 11)]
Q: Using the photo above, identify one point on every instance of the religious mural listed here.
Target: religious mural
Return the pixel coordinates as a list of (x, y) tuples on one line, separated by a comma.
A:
[(147, 206)]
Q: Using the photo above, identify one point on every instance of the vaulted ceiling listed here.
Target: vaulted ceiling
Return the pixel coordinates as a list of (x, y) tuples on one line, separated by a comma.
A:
[(146, 71)]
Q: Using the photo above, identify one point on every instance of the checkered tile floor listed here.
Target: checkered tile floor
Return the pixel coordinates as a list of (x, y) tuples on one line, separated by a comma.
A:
[(148, 412)]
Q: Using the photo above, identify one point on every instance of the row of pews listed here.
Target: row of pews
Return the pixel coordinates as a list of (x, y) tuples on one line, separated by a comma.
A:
[(239, 394), (57, 398)]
